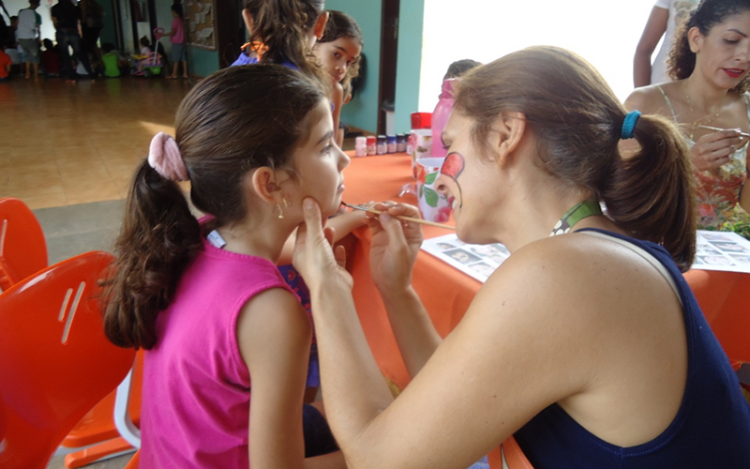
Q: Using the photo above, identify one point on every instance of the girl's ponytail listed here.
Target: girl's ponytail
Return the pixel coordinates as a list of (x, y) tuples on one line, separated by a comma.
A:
[(650, 194), (282, 27), (158, 239)]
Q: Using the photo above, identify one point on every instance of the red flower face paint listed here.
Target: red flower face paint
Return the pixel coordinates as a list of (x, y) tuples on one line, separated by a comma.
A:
[(453, 166)]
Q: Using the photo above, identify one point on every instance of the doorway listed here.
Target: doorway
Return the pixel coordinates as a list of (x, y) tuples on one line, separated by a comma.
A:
[(388, 59)]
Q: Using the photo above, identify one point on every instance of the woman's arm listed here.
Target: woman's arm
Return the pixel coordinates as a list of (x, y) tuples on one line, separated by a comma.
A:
[(274, 333), (392, 256), (342, 224), (481, 384), (652, 33)]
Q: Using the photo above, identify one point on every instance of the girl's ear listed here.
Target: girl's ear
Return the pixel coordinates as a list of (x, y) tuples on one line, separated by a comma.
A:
[(320, 25), (248, 19), (263, 182)]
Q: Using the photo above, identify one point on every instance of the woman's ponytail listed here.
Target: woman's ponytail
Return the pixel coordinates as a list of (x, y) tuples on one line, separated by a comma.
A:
[(158, 239), (650, 194)]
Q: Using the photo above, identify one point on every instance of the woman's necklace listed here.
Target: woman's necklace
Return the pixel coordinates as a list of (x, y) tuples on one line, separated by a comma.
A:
[(698, 122), (585, 209)]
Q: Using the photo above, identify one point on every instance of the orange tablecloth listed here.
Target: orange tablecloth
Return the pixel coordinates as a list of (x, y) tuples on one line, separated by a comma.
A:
[(445, 291)]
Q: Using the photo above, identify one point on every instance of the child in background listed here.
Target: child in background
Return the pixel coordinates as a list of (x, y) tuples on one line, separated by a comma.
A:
[(113, 63), (338, 51), (460, 67), (50, 59), (177, 38), (5, 65), (145, 46), (226, 340), (283, 32)]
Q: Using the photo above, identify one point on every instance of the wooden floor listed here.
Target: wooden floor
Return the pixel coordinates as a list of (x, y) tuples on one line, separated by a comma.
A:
[(64, 144)]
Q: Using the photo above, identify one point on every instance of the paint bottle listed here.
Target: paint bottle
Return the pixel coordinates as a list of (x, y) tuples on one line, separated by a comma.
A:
[(360, 146), (391, 142), (382, 143), (401, 143), (372, 147)]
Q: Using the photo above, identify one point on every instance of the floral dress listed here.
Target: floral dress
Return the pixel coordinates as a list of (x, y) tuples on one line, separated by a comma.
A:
[(718, 193)]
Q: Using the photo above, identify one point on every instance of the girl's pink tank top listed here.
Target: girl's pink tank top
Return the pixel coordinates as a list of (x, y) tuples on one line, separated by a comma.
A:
[(196, 387)]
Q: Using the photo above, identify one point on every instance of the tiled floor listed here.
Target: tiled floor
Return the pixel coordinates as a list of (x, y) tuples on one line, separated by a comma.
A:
[(64, 144)]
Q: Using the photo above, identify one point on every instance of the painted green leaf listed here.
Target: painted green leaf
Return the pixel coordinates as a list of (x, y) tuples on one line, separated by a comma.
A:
[(421, 191), (430, 178), (431, 197)]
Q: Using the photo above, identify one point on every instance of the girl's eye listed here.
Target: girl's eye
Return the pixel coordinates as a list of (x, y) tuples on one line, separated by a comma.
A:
[(327, 149), (337, 55)]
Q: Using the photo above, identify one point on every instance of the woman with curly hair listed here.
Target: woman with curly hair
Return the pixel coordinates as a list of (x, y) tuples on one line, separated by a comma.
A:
[(709, 61)]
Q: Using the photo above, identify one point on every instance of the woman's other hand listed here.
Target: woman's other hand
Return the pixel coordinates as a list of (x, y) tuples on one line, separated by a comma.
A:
[(395, 245), (715, 149), (314, 257)]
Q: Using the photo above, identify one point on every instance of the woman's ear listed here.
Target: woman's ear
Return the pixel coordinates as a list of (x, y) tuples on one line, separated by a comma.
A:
[(695, 39), (320, 25), (507, 134), (263, 183), (248, 19)]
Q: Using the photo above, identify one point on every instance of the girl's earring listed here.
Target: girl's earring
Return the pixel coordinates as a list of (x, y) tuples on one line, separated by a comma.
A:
[(281, 209)]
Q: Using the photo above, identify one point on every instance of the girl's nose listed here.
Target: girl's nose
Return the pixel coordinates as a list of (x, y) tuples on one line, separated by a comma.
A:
[(344, 159)]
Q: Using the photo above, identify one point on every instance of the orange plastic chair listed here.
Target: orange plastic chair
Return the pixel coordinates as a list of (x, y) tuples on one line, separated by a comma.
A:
[(55, 360), (23, 250), (133, 463), (508, 456), (108, 430), (723, 297)]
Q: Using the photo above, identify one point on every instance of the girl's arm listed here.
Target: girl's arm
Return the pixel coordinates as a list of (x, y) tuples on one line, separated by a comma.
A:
[(273, 334), (654, 30), (480, 386), (337, 99), (342, 224)]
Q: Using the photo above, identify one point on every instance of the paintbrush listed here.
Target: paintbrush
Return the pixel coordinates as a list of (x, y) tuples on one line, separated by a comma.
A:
[(415, 220), (708, 127)]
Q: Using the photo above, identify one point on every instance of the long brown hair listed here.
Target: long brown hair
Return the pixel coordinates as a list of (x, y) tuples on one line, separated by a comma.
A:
[(576, 120), (709, 13), (282, 26), (237, 119)]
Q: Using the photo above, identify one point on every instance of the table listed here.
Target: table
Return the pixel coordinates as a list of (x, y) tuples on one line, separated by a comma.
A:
[(447, 292)]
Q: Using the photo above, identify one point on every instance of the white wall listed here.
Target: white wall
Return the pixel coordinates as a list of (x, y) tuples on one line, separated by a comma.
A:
[(604, 32)]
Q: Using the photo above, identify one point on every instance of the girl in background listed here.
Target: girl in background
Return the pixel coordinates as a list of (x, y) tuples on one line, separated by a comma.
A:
[(177, 38), (227, 340), (338, 52), (283, 32)]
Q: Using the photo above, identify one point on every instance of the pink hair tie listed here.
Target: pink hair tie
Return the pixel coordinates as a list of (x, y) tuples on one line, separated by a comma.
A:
[(164, 156)]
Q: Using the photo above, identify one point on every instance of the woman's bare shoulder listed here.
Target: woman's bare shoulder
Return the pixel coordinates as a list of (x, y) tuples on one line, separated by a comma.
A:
[(650, 99)]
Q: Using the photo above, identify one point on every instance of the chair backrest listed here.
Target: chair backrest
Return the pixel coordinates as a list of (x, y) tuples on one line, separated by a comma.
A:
[(55, 360), (723, 298), (23, 250), (508, 456)]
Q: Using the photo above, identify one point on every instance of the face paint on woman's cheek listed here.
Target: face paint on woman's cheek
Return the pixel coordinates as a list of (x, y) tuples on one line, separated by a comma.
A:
[(453, 166)]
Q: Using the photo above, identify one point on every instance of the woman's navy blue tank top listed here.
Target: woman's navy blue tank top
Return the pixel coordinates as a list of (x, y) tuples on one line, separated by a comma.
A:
[(712, 426)]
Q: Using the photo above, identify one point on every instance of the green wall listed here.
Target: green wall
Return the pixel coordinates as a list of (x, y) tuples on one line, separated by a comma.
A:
[(362, 111), (202, 62), (409, 62)]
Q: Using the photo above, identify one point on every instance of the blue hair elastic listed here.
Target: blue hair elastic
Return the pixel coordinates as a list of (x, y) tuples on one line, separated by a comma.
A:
[(628, 125)]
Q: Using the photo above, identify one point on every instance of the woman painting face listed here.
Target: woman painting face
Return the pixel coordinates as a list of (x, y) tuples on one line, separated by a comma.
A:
[(468, 180)]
